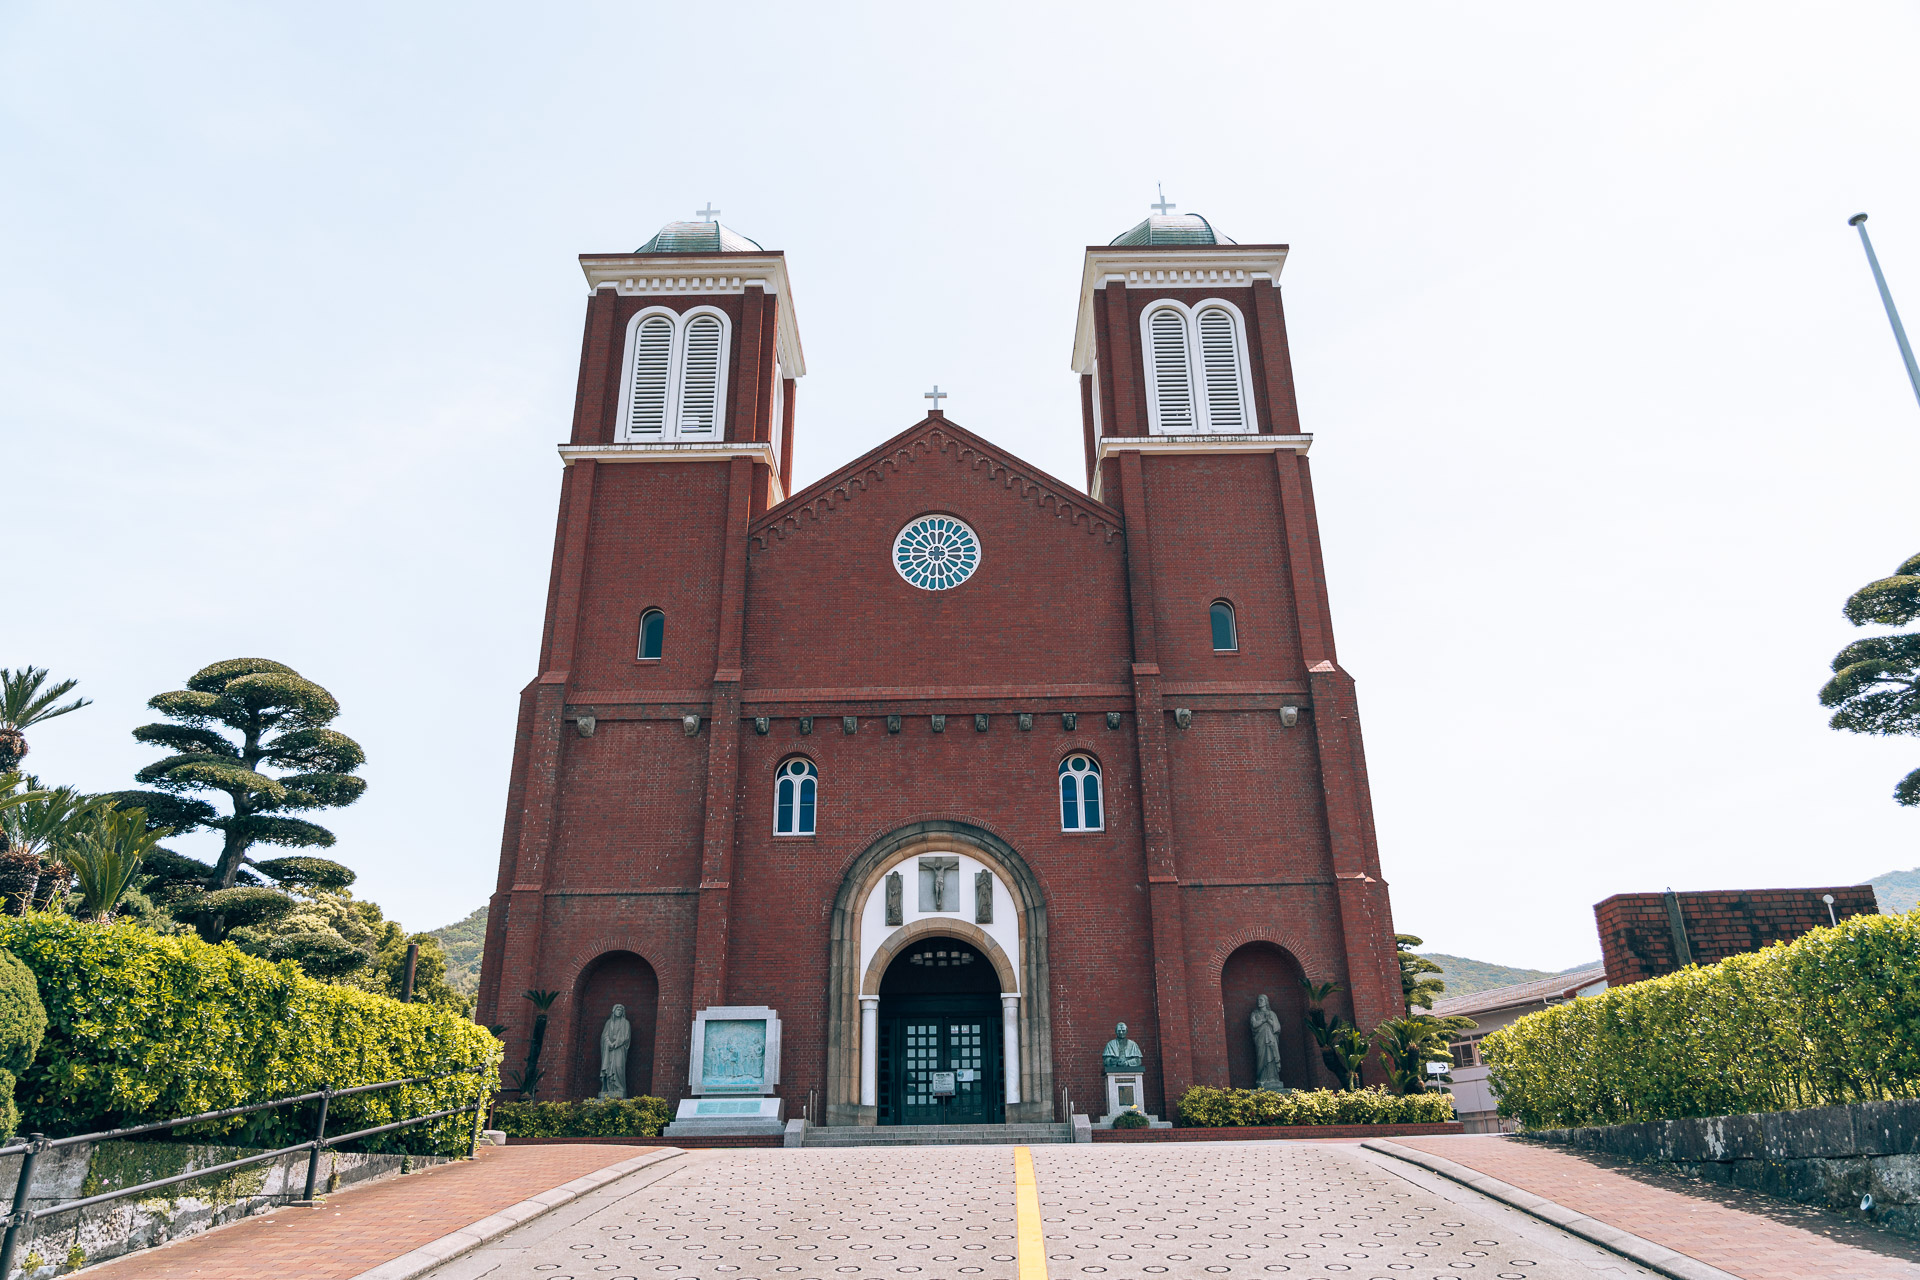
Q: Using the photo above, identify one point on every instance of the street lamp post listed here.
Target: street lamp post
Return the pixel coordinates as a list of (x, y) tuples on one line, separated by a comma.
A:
[(1859, 223)]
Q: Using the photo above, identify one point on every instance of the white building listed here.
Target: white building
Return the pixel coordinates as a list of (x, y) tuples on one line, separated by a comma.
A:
[(1473, 1098)]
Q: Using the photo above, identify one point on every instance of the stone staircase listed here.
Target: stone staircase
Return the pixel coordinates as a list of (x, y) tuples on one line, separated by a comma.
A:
[(936, 1135)]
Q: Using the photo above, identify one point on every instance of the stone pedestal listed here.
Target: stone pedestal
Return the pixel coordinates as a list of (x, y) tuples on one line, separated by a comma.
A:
[(728, 1117), (1127, 1091)]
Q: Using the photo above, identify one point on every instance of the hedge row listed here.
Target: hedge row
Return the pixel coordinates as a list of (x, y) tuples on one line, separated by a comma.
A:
[(144, 1026), (1209, 1108), (1831, 1017), (591, 1118)]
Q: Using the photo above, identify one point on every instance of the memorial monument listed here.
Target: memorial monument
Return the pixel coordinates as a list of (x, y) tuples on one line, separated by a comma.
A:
[(734, 1070), (1123, 1062)]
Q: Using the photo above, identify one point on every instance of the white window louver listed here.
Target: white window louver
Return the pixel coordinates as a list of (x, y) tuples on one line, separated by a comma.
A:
[(700, 378), (647, 397), (1172, 372), (1220, 364)]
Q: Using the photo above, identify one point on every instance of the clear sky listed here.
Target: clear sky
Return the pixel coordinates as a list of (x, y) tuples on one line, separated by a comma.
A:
[(1608, 418)]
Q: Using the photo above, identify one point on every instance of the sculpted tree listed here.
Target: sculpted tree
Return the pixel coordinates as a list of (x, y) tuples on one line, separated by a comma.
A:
[(1876, 681), (1418, 988), (234, 722)]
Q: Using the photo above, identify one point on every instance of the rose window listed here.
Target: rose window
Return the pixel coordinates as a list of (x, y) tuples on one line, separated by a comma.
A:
[(936, 552)]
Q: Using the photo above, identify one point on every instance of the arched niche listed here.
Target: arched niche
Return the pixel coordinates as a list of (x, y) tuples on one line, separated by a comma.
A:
[(615, 977), (1254, 970), (1017, 947)]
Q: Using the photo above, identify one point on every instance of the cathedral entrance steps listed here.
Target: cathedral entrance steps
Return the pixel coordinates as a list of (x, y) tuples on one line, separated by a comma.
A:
[(936, 1135)]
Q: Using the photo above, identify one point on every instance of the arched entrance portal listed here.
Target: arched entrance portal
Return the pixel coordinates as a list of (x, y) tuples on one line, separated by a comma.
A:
[(940, 1059), (622, 978)]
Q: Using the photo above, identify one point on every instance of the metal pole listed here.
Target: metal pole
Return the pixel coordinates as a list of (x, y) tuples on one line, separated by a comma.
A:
[(19, 1218), (413, 957), (319, 1145), (1859, 223)]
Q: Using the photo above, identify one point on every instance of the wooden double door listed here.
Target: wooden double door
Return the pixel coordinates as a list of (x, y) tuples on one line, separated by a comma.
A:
[(925, 1038)]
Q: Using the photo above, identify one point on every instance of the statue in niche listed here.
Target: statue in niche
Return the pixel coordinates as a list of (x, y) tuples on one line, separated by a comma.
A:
[(983, 897), (615, 1037), (894, 913), (1265, 1025), (1121, 1054)]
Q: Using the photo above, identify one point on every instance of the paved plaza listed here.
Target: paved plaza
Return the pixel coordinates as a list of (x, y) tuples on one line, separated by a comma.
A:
[(1306, 1211)]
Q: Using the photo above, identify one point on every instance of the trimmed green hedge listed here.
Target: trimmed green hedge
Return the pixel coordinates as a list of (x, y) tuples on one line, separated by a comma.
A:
[(144, 1026), (589, 1118), (23, 1024), (1209, 1108), (1831, 1017)]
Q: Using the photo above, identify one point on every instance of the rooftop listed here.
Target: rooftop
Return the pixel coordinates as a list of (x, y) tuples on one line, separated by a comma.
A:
[(1176, 229), (699, 237), (1541, 991)]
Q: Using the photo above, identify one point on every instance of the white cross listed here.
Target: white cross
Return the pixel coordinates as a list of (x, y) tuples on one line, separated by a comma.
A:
[(708, 214), (936, 395), (1163, 208)]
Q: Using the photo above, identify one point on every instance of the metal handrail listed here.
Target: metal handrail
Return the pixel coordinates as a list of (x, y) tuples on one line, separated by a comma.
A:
[(29, 1151)]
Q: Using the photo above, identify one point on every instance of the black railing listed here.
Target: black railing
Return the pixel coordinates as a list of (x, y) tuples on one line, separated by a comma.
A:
[(29, 1151)]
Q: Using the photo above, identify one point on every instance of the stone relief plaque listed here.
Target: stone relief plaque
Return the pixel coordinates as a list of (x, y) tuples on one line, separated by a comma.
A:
[(983, 897), (937, 888), (896, 913), (735, 1055)]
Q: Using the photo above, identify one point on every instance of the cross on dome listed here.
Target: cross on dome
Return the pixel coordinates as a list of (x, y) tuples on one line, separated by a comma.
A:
[(1165, 206), (708, 214)]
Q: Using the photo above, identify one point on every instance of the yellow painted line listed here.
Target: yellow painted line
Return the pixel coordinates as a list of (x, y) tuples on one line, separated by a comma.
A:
[(1026, 1201)]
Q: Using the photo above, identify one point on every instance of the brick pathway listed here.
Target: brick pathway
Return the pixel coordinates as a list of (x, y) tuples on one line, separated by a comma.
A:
[(362, 1227), (1750, 1234)]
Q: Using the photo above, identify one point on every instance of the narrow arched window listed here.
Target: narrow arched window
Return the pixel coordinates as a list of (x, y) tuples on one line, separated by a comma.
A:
[(700, 377), (1221, 372), (795, 796), (1225, 635), (1170, 366), (653, 633), (1080, 806), (650, 360)]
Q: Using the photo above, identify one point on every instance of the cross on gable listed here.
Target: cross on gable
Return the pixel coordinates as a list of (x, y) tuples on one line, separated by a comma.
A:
[(708, 214), (936, 395), (1165, 206)]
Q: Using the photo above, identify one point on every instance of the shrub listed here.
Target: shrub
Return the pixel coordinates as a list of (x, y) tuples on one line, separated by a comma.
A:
[(1131, 1120), (1831, 1017), (23, 1023), (1206, 1107), (143, 1026), (588, 1118)]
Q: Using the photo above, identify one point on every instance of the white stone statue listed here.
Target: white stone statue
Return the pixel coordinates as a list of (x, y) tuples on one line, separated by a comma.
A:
[(1265, 1025), (615, 1036)]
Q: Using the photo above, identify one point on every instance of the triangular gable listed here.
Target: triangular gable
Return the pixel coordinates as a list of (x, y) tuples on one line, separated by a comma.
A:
[(937, 434)]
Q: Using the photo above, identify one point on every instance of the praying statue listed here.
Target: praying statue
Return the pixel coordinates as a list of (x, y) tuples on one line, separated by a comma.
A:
[(1121, 1054), (615, 1036), (1265, 1025)]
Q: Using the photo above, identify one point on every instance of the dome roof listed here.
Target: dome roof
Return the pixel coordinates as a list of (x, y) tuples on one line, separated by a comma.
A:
[(699, 237), (1183, 229)]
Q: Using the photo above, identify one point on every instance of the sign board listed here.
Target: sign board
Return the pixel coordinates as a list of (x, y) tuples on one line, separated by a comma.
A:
[(1439, 1068), (940, 1084)]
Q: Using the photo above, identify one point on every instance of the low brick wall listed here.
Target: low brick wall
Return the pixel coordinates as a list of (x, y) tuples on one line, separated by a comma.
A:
[(1826, 1156), (685, 1144), (1264, 1133)]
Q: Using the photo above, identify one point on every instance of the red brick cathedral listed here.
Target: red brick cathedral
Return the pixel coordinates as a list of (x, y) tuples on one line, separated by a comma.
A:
[(950, 762)]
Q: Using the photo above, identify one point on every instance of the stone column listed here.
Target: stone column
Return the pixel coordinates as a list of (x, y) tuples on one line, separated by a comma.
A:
[(1010, 1044), (869, 1051)]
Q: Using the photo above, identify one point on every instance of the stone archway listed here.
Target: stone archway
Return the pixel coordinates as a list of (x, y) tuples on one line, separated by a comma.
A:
[(852, 959)]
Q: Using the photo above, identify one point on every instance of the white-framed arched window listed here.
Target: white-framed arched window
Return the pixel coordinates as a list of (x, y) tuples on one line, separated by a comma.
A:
[(796, 795), (1198, 379), (673, 377), (1080, 801)]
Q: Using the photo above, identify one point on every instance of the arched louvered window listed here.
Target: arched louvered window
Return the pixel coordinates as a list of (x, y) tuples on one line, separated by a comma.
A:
[(649, 367), (676, 376), (1197, 382), (700, 377), (653, 633), (1226, 636), (1170, 367), (1221, 371), (1080, 807), (795, 795)]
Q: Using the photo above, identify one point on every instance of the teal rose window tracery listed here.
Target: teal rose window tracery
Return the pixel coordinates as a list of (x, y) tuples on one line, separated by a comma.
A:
[(936, 553)]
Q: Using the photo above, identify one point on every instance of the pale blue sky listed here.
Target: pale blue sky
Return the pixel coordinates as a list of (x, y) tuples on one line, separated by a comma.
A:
[(1609, 420)]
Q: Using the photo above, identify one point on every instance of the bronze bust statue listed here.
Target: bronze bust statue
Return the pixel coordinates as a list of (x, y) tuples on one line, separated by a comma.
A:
[(1121, 1054)]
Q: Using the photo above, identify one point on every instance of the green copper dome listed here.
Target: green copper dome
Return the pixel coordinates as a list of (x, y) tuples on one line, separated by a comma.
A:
[(1183, 229), (699, 237)]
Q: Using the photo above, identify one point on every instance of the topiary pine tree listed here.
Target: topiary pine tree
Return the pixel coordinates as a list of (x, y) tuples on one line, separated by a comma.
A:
[(280, 719), (1876, 681)]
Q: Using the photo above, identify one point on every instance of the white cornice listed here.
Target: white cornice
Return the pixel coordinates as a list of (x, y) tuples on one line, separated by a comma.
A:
[(661, 274), (679, 451), (1164, 267), (1161, 446)]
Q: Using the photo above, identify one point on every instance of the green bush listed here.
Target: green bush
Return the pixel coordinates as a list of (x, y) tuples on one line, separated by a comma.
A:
[(1131, 1120), (1209, 1108), (23, 1023), (1831, 1017), (588, 1118), (144, 1026)]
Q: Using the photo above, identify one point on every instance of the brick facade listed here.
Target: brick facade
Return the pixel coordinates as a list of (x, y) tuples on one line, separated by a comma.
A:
[(1637, 936), (639, 860)]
